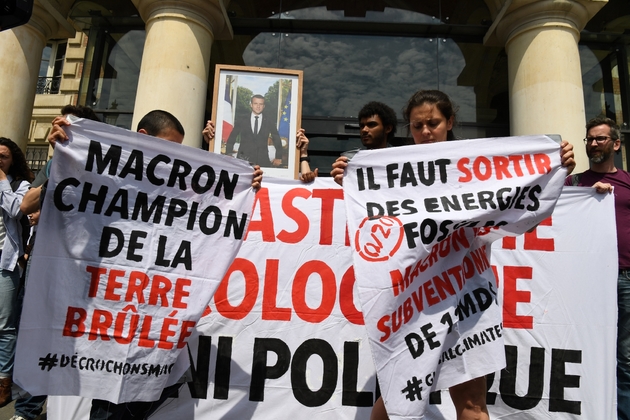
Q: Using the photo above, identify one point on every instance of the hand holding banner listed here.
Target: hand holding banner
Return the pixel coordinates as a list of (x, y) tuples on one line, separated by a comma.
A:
[(421, 231), (135, 235)]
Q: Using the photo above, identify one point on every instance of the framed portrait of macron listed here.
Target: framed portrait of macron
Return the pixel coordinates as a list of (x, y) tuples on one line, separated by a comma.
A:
[(257, 112)]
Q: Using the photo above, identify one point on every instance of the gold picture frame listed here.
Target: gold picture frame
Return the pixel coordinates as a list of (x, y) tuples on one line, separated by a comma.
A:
[(266, 99)]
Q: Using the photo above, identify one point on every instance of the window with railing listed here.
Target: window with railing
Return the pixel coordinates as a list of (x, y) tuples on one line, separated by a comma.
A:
[(51, 67), (36, 157), (48, 85)]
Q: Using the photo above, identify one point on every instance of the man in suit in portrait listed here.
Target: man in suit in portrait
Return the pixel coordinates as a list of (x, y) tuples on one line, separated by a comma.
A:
[(255, 128)]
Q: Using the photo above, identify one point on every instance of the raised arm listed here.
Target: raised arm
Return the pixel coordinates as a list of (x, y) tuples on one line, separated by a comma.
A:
[(306, 175)]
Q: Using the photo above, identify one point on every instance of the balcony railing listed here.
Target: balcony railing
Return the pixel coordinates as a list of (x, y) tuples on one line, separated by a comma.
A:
[(48, 85), (36, 157)]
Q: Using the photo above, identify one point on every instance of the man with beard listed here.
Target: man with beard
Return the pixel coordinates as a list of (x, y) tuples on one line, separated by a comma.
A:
[(377, 126), (602, 139)]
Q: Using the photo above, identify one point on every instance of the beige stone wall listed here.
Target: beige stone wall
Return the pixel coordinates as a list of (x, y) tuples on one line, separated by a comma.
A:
[(47, 106)]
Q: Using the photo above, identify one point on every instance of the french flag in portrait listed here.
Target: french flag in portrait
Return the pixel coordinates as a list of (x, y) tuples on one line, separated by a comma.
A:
[(228, 117)]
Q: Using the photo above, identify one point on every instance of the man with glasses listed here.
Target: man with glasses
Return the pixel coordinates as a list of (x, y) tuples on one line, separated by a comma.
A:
[(602, 139)]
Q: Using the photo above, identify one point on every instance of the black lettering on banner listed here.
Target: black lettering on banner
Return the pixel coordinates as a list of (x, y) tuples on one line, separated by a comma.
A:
[(199, 385), (153, 179), (110, 233), (223, 368), (111, 158), (134, 165), (415, 343), (233, 225), (536, 189), (202, 180), (260, 370), (210, 176), (76, 361), (98, 198), (560, 380), (58, 195), (372, 185), (179, 172), (119, 204), (301, 390), (435, 398), (176, 208), (507, 385), (349, 394), (426, 175), (182, 256), (228, 185), (203, 220), (106, 239), (143, 209), (374, 209)]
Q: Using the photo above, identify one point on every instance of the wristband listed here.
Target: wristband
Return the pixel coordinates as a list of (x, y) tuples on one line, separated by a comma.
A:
[(305, 159)]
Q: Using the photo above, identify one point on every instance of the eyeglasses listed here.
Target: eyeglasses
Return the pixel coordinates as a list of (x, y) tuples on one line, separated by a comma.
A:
[(598, 139)]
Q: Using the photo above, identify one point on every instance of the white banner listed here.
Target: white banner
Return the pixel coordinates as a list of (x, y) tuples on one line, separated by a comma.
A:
[(285, 338), (421, 221), (558, 290), (135, 235)]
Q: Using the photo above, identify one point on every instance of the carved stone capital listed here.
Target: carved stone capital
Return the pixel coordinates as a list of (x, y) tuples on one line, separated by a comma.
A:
[(210, 14), (518, 16)]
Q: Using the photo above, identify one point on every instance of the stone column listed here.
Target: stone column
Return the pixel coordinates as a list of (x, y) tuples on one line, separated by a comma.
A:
[(21, 51), (545, 80), (176, 58)]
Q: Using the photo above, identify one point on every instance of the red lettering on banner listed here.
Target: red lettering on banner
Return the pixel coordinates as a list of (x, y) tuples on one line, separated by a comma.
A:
[(346, 298), (166, 333), (383, 327), (531, 240), (429, 293), (270, 310), (180, 293), (512, 296), (307, 272), (101, 321), (508, 242), (112, 285), (499, 167), (347, 241), (250, 274), (138, 281), (75, 322), (329, 291), (296, 215), (105, 325), (186, 330), (534, 243), (136, 285), (95, 279), (326, 223), (456, 241), (443, 285), (433, 291), (265, 224), (119, 327), (144, 340), (159, 288)]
